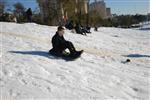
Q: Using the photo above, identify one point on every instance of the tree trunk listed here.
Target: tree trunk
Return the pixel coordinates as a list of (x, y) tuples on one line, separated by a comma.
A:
[(62, 10), (87, 12), (76, 9)]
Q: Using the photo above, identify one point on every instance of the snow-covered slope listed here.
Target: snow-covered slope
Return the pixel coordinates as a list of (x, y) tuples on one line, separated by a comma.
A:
[(29, 73)]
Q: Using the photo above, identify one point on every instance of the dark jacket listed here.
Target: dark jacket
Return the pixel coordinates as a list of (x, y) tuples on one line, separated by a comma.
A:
[(78, 29), (29, 12), (69, 25), (58, 43)]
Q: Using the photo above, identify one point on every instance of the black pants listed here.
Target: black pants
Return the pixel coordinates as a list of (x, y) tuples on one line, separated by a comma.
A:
[(68, 45), (29, 18), (59, 50)]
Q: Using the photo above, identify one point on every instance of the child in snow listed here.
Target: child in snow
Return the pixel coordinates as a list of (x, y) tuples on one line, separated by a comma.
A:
[(60, 44)]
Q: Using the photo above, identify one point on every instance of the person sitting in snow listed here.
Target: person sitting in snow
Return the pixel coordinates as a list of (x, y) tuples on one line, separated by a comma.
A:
[(69, 25), (79, 29), (60, 44)]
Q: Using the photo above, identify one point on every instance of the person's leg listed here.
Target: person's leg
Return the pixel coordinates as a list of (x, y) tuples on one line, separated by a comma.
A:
[(70, 46), (72, 49), (30, 18), (83, 31)]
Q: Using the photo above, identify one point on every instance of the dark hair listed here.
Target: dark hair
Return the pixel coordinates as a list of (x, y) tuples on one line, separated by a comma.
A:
[(60, 28)]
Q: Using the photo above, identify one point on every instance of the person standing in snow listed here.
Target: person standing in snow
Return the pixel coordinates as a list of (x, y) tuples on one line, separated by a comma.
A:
[(60, 44), (29, 15)]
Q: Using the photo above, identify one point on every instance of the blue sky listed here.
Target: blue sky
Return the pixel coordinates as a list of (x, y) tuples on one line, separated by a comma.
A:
[(27, 3), (117, 6), (129, 6)]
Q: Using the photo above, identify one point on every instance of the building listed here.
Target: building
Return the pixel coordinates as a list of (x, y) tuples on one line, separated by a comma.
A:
[(100, 7), (108, 11)]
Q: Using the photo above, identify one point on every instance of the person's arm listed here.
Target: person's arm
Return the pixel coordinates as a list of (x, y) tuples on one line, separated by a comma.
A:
[(62, 41), (55, 42)]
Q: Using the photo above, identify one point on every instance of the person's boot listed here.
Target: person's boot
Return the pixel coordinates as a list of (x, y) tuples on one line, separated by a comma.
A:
[(79, 52)]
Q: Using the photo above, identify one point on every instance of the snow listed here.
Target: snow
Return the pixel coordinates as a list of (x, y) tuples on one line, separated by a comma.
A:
[(146, 27), (29, 73)]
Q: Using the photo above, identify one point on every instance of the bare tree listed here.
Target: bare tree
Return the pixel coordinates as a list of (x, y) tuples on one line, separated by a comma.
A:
[(87, 11), (53, 10), (49, 10), (2, 6), (19, 11), (19, 8)]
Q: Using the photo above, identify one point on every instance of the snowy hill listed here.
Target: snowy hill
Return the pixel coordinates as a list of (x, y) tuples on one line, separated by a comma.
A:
[(29, 73)]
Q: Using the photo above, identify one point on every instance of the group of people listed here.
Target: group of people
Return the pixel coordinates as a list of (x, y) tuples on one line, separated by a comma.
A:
[(59, 43), (77, 27), (27, 15)]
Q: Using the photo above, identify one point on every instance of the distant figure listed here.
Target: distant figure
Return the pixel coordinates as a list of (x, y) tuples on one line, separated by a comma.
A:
[(29, 15), (69, 25), (60, 44), (86, 29), (65, 19), (95, 28), (79, 29)]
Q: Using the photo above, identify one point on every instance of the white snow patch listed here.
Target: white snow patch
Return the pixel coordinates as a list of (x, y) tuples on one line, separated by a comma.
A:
[(29, 73)]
